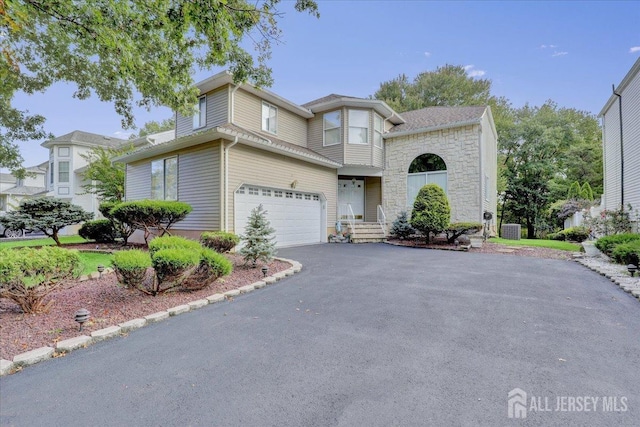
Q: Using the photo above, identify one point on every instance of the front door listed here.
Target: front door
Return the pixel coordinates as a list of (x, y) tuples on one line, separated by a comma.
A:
[(351, 192)]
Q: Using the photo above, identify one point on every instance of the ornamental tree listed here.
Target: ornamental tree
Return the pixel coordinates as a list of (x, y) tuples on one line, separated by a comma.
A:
[(258, 238), (48, 215), (151, 215), (431, 212)]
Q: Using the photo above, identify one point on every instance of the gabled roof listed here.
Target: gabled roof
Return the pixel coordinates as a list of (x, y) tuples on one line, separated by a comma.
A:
[(327, 98), (433, 118), (24, 190), (334, 101), (229, 131), (41, 168), (78, 137), (635, 69)]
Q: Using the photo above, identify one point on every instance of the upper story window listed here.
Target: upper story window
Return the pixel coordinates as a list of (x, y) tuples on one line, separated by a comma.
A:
[(63, 171), (63, 151), (378, 129), (200, 117), (164, 179), (51, 172), (358, 127), (269, 118), (331, 127)]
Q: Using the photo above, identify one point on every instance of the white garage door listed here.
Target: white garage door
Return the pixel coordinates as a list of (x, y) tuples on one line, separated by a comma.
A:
[(296, 216)]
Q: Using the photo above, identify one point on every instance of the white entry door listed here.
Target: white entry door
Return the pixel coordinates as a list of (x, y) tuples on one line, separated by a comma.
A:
[(351, 192), (296, 216)]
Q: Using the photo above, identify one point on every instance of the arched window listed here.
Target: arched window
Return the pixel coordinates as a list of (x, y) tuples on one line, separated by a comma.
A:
[(425, 169)]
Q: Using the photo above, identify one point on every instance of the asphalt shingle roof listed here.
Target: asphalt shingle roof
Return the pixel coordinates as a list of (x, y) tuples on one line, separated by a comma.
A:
[(438, 116), (78, 136), (327, 99)]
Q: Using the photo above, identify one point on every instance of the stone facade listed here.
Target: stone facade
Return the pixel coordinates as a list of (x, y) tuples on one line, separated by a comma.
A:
[(459, 148)]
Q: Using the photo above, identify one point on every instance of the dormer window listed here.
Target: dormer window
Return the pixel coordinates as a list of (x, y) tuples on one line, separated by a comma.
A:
[(331, 127), (358, 127), (269, 118), (200, 117)]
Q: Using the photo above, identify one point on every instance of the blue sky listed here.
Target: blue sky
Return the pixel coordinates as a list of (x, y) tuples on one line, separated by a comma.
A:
[(571, 52)]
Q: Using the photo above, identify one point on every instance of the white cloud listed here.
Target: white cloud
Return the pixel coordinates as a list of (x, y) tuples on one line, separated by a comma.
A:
[(548, 46), (468, 67), (472, 72), (559, 54), (427, 54), (634, 49)]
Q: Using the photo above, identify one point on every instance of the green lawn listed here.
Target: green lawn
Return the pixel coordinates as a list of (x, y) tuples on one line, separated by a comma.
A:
[(553, 244), (47, 241), (91, 260)]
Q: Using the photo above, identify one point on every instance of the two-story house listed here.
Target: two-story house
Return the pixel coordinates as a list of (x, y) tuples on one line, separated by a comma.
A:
[(621, 144), (13, 190), (337, 158)]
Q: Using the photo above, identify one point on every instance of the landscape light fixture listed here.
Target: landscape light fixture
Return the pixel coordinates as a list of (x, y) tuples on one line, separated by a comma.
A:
[(632, 268), (82, 316), (100, 269), (265, 270)]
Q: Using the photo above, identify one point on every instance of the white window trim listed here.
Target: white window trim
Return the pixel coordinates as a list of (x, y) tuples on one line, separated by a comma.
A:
[(198, 114), (269, 106), (375, 131), (359, 127), (60, 149), (324, 129), (68, 172)]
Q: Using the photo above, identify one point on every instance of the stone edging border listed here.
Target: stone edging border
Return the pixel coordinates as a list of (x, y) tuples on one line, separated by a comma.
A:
[(43, 353), (616, 273)]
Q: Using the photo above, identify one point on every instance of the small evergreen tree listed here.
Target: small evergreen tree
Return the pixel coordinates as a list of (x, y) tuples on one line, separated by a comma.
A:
[(258, 239), (401, 227), (586, 192), (574, 191), (431, 212)]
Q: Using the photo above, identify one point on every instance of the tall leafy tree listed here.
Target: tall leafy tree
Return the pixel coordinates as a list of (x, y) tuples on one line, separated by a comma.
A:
[(125, 50), (153, 126), (102, 177)]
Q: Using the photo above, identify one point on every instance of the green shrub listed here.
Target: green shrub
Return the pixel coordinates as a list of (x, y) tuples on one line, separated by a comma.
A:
[(28, 275), (219, 241), (173, 242), (401, 228), (100, 230), (173, 265), (627, 253), (212, 266), (457, 229), (151, 215), (123, 230), (607, 243), (576, 234), (557, 236), (431, 212), (131, 267)]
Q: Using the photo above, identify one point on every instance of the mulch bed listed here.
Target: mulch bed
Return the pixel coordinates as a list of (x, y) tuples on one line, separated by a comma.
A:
[(109, 304)]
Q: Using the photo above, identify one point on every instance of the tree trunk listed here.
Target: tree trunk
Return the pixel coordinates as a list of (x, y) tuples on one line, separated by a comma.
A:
[(55, 237), (531, 231)]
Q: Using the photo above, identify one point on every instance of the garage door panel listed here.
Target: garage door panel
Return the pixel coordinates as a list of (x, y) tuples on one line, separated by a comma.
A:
[(295, 216)]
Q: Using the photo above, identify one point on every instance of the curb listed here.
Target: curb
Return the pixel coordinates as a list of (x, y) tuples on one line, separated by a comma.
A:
[(615, 273), (82, 341)]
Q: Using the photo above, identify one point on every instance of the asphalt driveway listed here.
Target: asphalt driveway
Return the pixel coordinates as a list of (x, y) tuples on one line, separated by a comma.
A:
[(365, 335)]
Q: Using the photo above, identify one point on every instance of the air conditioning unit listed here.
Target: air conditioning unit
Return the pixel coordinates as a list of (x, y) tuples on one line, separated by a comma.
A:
[(510, 231)]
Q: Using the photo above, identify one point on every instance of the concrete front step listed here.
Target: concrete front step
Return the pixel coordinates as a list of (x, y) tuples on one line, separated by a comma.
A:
[(368, 236), (367, 240)]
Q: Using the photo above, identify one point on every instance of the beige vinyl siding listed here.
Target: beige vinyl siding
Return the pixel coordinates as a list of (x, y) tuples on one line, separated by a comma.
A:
[(217, 111), (249, 165), (248, 114), (358, 154), (611, 135), (199, 185), (138, 182), (378, 156), (315, 140), (631, 139), (372, 197)]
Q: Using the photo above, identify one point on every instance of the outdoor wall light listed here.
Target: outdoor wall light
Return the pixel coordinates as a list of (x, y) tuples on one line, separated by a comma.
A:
[(632, 269), (265, 270), (82, 316), (100, 269), (294, 184)]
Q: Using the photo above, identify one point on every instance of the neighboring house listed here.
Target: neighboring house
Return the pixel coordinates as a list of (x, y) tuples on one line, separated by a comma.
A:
[(337, 158), (622, 158), (13, 190)]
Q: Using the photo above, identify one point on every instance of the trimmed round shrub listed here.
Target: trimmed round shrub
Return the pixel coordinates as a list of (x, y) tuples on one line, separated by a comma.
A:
[(431, 212), (607, 243), (627, 253), (131, 266), (213, 265), (100, 230), (173, 242), (173, 264), (556, 236), (219, 241), (576, 234)]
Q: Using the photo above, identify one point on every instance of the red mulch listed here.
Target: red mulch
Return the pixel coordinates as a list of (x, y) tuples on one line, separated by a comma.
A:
[(109, 305)]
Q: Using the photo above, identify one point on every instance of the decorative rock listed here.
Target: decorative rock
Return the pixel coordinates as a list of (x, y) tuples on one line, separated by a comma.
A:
[(198, 303), (132, 324), (297, 269), (259, 285), (505, 251), (246, 288), (279, 275), (636, 293), (6, 366), (173, 311), (215, 298), (232, 293), (270, 279), (289, 272), (33, 356), (156, 317), (73, 343), (103, 334), (94, 275)]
